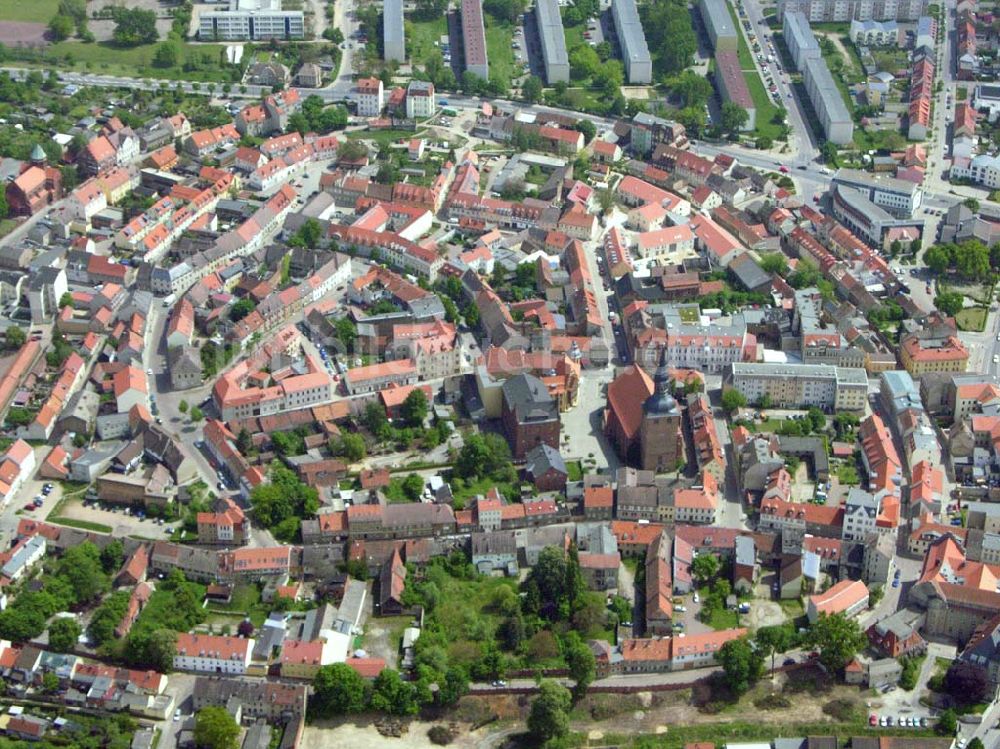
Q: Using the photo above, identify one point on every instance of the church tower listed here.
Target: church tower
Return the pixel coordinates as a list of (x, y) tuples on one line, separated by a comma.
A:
[(661, 441)]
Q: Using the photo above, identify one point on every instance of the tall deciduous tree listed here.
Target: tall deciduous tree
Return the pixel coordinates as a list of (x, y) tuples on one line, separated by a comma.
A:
[(214, 728)]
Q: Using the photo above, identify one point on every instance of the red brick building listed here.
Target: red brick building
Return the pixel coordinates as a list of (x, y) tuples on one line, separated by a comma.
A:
[(34, 188)]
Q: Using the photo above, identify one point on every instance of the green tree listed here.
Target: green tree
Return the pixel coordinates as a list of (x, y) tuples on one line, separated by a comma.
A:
[(159, 648), (60, 27), (413, 487), (838, 639), (167, 55), (691, 89), (352, 446), (531, 89), (14, 337), (196, 415), (742, 664), (214, 728), (972, 204), (549, 716), (733, 117), (63, 634), (66, 300), (949, 302), (774, 262), (338, 690), (392, 695), (966, 683), (774, 639), (938, 258), (134, 26), (947, 724), (733, 400), (414, 408), (50, 682), (81, 567), (588, 129), (112, 556), (705, 568), (580, 661), (241, 309), (816, 418), (583, 62), (976, 743), (183, 406), (310, 233)]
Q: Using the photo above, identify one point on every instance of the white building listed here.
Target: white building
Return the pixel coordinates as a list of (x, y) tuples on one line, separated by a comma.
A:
[(26, 555), (251, 19), (15, 467), (214, 654), (370, 96), (860, 513), (983, 170), (421, 102), (899, 197), (801, 385), (45, 288)]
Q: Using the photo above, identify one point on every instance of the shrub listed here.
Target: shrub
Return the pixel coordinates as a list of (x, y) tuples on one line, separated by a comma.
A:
[(441, 735)]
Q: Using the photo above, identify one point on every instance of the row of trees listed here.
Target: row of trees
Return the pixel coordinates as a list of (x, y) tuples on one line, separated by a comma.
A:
[(971, 259), (837, 638)]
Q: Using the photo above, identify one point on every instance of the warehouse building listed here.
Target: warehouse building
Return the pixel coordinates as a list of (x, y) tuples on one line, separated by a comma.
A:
[(635, 53), (474, 38), (550, 31), (251, 19), (827, 101), (801, 385), (393, 35), (802, 45), (733, 85), (719, 24)]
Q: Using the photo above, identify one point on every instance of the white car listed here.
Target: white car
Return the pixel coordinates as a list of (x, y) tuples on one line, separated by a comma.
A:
[(996, 358), (696, 598)]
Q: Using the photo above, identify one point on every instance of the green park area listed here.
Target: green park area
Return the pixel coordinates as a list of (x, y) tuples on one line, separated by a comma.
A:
[(35, 11)]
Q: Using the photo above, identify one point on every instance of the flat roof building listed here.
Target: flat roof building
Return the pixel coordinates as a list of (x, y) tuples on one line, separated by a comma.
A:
[(827, 101), (801, 385), (550, 31), (733, 85), (635, 53), (719, 24), (899, 197), (845, 11), (474, 38), (802, 44), (393, 34), (251, 19)]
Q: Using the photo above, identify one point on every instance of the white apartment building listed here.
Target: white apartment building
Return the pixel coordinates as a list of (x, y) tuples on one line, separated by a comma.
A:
[(983, 170), (370, 96), (860, 513), (421, 102), (801, 385), (251, 19), (897, 196), (213, 654)]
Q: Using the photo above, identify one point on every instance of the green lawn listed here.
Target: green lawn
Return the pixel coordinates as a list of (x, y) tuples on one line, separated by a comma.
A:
[(743, 52), (83, 525), (421, 35), (574, 471), (764, 106), (831, 28), (574, 36), (384, 137), (7, 226), (972, 319), (961, 93), (501, 56), (135, 61), (721, 733), (847, 474), (724, 619), (38, 11)]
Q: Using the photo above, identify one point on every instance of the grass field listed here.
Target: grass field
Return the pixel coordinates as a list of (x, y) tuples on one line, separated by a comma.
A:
[(421, 36), (764, 106), (7, 226), (37, 11), (501, 56), (135, 61), (83, 525), (972, 319), (847, 474), (743, 52)]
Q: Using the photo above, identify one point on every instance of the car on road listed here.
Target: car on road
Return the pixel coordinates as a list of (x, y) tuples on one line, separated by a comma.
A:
[(996, 358), (783, 169), (873, 720), (499, 683), (29, 507)]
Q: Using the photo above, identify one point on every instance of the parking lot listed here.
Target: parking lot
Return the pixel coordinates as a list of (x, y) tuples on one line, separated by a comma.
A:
[(121, 522)]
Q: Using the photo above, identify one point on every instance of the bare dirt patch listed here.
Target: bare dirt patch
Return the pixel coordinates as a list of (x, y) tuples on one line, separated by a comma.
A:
[(22, 33), (349, 735)]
